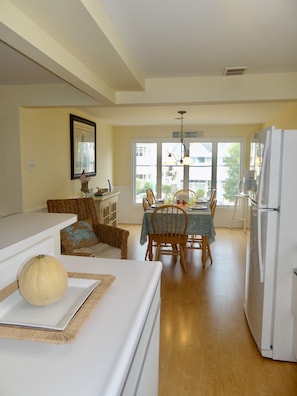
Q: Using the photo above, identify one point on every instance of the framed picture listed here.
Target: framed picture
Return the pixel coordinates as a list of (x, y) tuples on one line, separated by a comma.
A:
[(82, 146)]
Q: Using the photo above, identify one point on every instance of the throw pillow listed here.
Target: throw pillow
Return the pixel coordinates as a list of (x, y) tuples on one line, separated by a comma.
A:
[(80, 234)]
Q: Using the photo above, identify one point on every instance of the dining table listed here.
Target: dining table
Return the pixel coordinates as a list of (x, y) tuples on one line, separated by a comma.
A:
[(200, 222)]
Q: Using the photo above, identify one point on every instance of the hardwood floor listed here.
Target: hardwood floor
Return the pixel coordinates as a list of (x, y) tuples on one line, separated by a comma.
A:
[(205, 344)]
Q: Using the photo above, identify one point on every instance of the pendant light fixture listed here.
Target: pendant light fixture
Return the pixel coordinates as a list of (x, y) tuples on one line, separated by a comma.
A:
[(184, 152)]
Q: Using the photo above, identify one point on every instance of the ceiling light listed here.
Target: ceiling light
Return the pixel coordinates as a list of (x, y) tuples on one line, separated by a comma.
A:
[(185, 158)]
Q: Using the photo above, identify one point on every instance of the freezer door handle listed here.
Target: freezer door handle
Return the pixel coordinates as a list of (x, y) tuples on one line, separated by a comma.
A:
[(263, 173)]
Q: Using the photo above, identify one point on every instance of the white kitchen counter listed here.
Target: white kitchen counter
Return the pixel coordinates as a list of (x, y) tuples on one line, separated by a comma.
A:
[(97, 362), (115, 353), (20, 230), (23, 235), (17, 229)]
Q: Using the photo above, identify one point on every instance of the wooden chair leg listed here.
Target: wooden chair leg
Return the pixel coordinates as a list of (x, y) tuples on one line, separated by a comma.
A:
[(157, 256), (147, 252), (175, 251), (150, 249), (182, 257), (209, 252), (204, 250)]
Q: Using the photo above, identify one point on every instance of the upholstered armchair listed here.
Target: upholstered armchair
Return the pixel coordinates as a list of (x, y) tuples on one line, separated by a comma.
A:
[(88, 237)]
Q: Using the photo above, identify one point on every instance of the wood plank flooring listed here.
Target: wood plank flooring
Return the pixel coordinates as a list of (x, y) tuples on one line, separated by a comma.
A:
[(205, 344)]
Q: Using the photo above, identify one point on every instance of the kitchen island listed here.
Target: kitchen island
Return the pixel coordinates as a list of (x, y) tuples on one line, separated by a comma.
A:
[(116, 351)]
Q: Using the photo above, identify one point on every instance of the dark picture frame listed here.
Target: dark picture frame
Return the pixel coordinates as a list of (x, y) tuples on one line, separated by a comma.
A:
[(82, 146)]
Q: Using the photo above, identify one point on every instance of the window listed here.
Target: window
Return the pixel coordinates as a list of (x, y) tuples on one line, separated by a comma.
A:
[(140, 151), (228, 171), (200, 173), (215, 164), (172, 175), (145, 169)]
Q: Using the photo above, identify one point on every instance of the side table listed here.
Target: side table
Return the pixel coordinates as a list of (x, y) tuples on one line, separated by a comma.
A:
[(244, 214)]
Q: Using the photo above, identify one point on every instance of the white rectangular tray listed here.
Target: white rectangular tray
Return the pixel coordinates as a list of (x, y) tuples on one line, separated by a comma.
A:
[(14, 310)]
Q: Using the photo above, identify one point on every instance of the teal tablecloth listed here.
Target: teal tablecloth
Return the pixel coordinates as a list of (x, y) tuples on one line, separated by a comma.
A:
[(200, 222)]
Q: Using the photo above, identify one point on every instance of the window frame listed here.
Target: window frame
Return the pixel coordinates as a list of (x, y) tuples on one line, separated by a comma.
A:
[(214, 140)]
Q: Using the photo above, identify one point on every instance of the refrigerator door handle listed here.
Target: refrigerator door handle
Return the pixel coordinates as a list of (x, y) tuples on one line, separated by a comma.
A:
[(263, 170), (260, 254)]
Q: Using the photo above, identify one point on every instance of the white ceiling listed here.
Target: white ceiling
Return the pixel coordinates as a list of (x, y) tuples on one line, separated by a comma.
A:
[(124, 44), (202, 37)]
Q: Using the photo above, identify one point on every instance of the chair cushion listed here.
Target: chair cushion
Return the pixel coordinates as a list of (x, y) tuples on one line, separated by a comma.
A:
[(80, 234), (101, 250)]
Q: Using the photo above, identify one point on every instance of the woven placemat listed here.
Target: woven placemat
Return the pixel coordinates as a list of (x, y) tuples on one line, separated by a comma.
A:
[(71, 331)]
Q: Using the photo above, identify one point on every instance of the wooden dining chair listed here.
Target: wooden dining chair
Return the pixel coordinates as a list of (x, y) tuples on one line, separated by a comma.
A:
[(146, 205), (150, 196), (196, 241), (169, 223), (213, 206), (186, 195), (212, 196)]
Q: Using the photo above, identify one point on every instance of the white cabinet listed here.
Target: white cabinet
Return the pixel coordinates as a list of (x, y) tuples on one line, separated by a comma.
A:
[(107, 208), (142, 379)]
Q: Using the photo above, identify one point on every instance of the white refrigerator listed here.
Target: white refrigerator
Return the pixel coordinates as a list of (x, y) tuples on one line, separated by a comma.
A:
[(272, 248)]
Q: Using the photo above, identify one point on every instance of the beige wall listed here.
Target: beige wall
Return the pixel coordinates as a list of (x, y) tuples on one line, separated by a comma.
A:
[(286, 119), (45, 138), (42, 134), (12, 98), (11, 195)]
